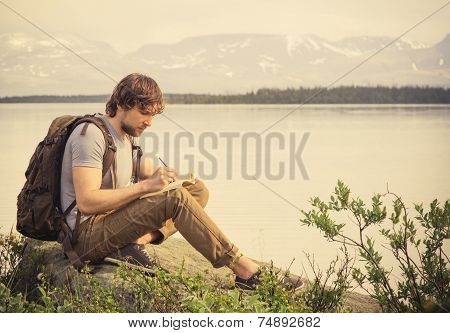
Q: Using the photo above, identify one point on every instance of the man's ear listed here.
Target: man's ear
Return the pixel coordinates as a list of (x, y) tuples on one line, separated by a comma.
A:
[(120, 111)]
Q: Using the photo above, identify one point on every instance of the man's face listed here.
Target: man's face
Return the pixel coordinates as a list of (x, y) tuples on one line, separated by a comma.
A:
[(136, 120)]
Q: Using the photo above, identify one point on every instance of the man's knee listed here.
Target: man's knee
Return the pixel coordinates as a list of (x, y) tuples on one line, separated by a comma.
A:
[(200, 192), (180, 195)]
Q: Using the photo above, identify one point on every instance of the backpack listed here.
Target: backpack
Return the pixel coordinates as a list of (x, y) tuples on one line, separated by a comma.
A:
[(39, 213)]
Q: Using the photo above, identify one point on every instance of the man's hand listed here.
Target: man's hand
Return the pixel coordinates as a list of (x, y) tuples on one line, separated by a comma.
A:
[(160, 178)]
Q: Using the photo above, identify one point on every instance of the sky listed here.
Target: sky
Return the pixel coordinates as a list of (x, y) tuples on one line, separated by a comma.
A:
[(127, 26)]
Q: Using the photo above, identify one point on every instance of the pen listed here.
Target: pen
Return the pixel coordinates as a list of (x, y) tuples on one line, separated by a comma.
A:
[(162, 161)]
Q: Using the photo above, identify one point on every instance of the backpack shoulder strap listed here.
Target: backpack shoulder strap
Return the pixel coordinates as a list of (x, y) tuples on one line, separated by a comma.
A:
[(137, 155), (111, 148)]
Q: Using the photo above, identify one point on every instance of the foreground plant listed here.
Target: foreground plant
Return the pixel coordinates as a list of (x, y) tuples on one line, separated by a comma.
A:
[(128, 290), (328, 289), (416, 244), (12, 248)]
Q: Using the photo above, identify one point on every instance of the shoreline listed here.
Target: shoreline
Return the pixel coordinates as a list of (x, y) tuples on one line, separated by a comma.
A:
[(301, 95)]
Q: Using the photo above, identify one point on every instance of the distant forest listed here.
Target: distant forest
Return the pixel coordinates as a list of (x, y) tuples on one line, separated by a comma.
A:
[(338, 95)]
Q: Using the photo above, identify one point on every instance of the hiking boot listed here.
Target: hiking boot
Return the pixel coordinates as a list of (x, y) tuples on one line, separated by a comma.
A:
[(291, 283), (247, 284), (134, 254), (288, 283)]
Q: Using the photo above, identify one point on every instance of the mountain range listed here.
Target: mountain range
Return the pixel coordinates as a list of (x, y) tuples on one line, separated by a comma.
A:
[(234, 63)]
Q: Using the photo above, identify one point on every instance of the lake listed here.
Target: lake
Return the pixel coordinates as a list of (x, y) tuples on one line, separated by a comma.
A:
[(367, 146)]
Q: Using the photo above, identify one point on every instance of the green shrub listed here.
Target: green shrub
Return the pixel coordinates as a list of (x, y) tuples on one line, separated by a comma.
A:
[(14, 303), (424, 281), (12, 248), (327, 292), (21, 261)]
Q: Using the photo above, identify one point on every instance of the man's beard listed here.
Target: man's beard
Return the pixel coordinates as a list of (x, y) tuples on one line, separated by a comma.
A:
[(129, 130)]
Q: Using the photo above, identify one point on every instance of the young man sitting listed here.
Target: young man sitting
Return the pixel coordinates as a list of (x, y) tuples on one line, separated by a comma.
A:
[(114, 221)]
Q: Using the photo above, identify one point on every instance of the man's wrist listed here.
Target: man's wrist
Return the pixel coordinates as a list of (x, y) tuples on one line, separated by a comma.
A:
[(140, 189)]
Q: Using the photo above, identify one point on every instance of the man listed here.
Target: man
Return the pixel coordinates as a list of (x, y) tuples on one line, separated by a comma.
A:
[(114, 221)]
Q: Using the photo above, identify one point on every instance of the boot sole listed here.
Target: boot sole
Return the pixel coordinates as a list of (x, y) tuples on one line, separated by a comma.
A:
[(118, 262)]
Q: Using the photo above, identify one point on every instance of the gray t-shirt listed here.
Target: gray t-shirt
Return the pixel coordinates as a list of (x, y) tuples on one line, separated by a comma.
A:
[(87, 151)]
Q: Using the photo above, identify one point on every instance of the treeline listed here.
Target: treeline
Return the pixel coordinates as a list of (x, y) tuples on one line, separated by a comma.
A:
[(55, 99), (337, 95)]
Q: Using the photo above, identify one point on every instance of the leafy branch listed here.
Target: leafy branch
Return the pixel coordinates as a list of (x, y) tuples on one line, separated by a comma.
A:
[(423, 281)]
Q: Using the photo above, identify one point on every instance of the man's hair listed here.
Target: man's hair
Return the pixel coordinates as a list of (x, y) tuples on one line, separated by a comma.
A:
[(135, 90)]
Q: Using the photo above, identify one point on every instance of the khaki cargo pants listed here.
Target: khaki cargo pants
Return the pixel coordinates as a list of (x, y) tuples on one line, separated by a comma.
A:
[(180, 209)]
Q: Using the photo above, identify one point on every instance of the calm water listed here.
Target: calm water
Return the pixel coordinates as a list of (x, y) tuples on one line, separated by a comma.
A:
[(366, 146)]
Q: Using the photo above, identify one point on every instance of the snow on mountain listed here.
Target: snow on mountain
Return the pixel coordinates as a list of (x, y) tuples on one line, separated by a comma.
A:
[(35, 64)]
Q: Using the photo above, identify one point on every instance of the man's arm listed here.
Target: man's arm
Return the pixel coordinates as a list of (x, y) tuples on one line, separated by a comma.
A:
[(93, 200)]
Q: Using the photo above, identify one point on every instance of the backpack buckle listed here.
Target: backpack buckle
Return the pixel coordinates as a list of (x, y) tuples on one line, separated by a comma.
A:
[(113, 148)]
